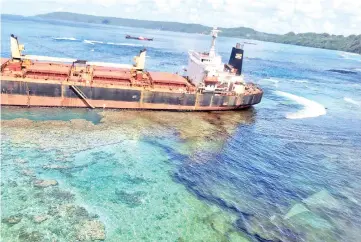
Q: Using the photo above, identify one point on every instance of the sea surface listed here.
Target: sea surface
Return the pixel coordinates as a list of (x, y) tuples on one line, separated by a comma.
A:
[(288, 169)]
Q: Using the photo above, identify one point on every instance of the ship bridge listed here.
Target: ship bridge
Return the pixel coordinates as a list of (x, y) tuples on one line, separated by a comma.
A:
[(206, 70)]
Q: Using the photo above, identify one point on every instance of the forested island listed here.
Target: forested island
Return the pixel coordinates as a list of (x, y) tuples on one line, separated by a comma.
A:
[(350, 43)]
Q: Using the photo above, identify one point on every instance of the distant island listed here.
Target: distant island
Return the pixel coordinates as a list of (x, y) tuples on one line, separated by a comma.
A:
[(350, 43)]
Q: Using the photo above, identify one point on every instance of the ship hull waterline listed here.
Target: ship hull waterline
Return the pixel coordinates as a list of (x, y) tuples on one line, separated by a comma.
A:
[(49, 94), (39, 101)]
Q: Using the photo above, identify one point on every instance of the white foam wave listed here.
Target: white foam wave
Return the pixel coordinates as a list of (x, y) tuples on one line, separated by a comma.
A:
[(66, 38), (350, 100), (93, 42), (311, 108), (271, 80), (301, 81), (123, 44), (350, 56)]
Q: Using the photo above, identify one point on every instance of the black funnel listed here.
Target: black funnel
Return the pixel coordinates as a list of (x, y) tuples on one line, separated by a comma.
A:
[(236, 59)]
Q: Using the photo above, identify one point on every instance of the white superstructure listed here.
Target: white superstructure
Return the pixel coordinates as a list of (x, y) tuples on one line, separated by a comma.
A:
[(207, 71)]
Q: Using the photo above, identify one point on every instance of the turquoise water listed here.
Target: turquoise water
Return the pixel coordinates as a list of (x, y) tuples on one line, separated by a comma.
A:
[(42, 114), (118, 172), (286, 170)]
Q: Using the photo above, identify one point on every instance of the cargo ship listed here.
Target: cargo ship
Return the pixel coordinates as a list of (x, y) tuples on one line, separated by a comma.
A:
[(207, 84), (138, 38)]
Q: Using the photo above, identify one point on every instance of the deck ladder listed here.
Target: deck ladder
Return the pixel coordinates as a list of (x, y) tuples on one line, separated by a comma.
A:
[(81, 95)]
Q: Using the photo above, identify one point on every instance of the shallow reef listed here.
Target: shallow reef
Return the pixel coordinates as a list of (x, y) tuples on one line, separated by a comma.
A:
[(76, 180), (157, 176)]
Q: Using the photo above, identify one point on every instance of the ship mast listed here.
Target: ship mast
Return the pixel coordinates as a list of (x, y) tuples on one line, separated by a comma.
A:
[(214, 33)]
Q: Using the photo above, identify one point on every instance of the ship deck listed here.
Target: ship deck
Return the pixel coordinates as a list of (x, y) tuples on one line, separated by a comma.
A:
[(35, 83), (83, 74)]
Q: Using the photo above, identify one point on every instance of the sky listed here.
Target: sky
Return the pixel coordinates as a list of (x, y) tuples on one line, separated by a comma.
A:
[(271, 16)]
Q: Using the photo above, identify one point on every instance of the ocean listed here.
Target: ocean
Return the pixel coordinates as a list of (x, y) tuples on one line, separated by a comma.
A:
[(288, 169)]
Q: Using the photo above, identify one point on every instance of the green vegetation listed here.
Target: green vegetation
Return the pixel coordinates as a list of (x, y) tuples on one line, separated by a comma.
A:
[(351, 43)]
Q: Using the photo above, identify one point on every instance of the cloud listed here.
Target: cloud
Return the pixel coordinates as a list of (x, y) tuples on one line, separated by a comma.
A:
[(216, 4), (310, 8), (328, 27)]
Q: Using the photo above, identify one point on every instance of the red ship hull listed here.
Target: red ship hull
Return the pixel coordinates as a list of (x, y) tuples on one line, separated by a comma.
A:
[(60, 94), (37, 101)]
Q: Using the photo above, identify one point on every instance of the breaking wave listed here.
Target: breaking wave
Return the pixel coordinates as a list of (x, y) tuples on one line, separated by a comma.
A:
[(311, 108), (123, 44), (350, 100), (271, 80), (301, 81), (93, 42), (66, 38), (350, 56)]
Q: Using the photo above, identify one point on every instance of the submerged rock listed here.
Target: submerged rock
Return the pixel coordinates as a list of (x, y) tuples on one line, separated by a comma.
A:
[(40, 218), (295, 210), (23, 197), (55, 167), (91, 230), (313, 223), (260, 229), (45, 183), (322, 199), (72, 212), (28, 173), (132, 199), (219, 222), (53, 210), (63, 196), (20, 161), (33, 236), (301, 222), (14, 219), (238, 237), (77, 212), (13, 184)]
